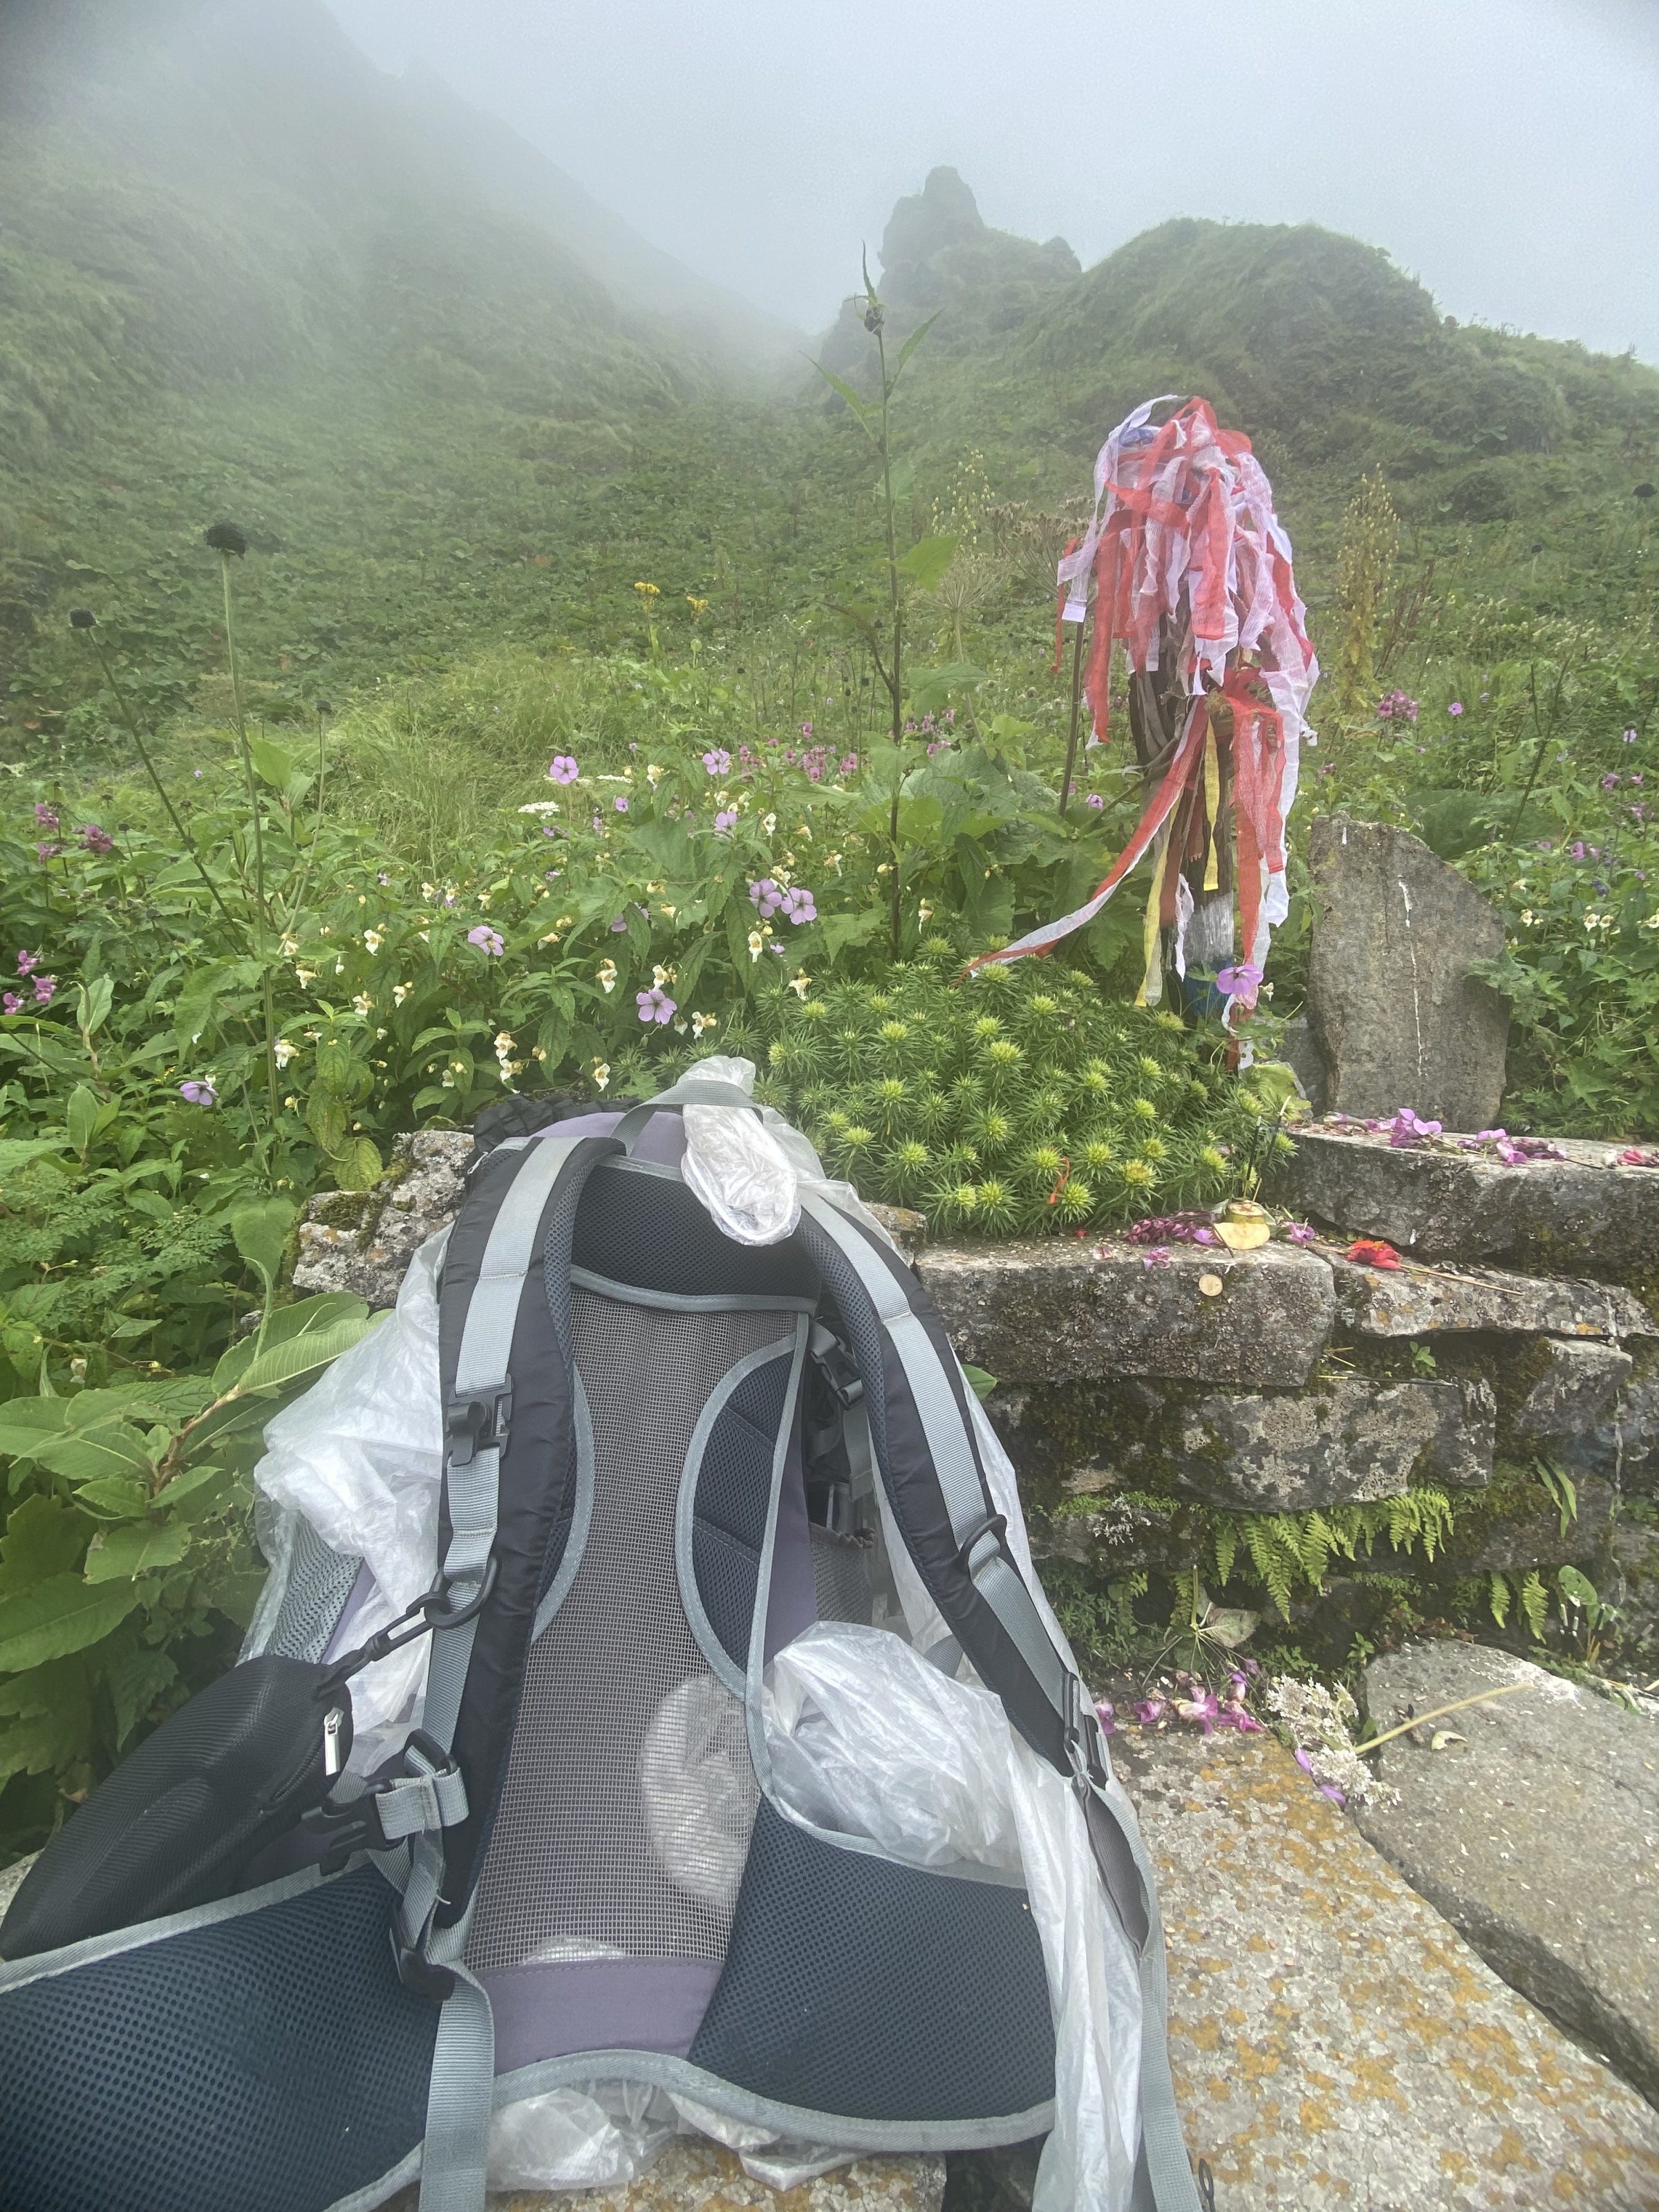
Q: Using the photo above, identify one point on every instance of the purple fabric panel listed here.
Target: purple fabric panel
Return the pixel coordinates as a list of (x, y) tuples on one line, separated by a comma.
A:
[(552, 2010), (795, 1599), (662, 1139)]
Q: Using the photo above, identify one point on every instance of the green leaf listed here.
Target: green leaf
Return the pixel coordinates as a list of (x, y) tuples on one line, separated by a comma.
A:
[(196, 1493), (931, 690), (838, 931), (326, 1118), (93, 1003), (18, 1152), (334, 1062), (137, 1678), (271, 763), (855, 406), (279, 1363), (910, 345), (109, 1498), (43, 1537), (136, 1548), (113, 1448), (306, 1315), (358, 1164), (980, 1381), (35, 1745), (260, 1232), (927, 561), (27, 1423), (59, 1615), (81, 1116)]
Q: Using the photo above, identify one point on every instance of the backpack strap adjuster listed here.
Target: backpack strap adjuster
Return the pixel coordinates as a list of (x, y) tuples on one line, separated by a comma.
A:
[(477, 1420)]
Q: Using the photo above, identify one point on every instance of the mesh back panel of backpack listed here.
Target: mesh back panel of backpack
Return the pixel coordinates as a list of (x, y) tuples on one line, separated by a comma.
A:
[(610, 1841)]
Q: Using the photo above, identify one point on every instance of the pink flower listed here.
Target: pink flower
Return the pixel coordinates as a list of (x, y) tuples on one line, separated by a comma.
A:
[(1298, 1233), (97, 841), (725, 821), (1157, 1257), (849, 762), (45, 818), (1242, 980), (806, 729), (11, 1002), (28, 962), (1202, 1707), (1106, 1714), (47, 852), (655, 1005), (561, 768), (717, 760), (1152, 1711), (1455, 707), (621, 805), (1609, 783), (46, 990), (1631, 1157), (1405, 1129), (488, 941)]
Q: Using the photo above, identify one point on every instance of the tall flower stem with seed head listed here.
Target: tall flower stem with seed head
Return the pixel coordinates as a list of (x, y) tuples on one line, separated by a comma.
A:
[(85, 623), (227, 540)]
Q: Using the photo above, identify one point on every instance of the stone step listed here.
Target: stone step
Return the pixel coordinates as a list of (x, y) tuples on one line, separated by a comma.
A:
[(1537, 1835), (1336, 2043)]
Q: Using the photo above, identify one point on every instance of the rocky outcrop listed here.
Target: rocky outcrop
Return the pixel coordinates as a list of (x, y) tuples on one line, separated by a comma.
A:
[(1535, 1832)]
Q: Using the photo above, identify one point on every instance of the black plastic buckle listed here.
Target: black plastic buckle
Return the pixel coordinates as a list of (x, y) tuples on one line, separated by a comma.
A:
[(419, 1974), (422, 1618), (1080, 1725), (475, 1421)]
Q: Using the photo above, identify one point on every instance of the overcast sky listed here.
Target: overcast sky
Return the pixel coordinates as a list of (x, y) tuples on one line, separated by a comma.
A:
[(1505, 151)]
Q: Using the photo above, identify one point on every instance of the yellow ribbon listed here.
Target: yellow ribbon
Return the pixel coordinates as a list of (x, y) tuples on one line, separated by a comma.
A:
[(1151, 984), (1212, 808)]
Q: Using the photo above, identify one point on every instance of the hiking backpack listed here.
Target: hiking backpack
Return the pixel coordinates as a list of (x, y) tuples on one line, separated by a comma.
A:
[(662, 1455)]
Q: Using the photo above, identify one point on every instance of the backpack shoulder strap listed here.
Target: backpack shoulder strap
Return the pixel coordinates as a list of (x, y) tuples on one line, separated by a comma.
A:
[(923, 1437)]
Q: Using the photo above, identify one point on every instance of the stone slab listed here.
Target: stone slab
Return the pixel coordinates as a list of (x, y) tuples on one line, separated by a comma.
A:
[(1585, 1214), (1268, 1451), (1334, 2042), (694, 2175), (1577, 1389), (1537, 1838), (11, 1880), (1060, 1311), (1395, 1018), (1418, 1299)]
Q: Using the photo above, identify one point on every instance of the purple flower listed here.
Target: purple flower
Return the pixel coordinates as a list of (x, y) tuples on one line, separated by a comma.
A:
[(725, 821), (487, 940), (1637, 779), (766, 897), (797, 906), (561, 768), (1106, 1714), (1204, 1237), (621, 805), (47, 852), (1630, 736), (1242, 980), (717, 760), (1455, 707), (1156, 1255), (198, 1092), (11, 1002), (1299, 1233), (849, 762), (655, 1005), (1326, 1788), (1150, 1711), (1609, 783), (97, 840), (383, 881), (1576, 848), (197, 773), (618, 926), (806, 729), (28, 962), (1396, 707), (1094, 799), (1405, 1129), (46, 990), (45, 818)]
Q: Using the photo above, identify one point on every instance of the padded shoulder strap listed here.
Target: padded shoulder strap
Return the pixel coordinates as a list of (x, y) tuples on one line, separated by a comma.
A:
[(922, 1433)]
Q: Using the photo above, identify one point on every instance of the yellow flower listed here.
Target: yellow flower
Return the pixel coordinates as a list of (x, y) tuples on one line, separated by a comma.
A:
[(800, 982), (699, 607), (647, 590)]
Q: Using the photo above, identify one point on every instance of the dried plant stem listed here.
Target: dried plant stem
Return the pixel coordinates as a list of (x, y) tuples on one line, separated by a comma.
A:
[(1422, 1720)]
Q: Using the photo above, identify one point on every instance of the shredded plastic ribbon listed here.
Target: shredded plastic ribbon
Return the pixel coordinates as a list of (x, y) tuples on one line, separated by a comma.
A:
[(1189, 557)]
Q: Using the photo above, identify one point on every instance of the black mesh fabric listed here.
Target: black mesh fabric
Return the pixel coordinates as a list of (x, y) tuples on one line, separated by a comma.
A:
[(268, 2064), (876, 1992), (841, 1576), (733, 1493), (646, 1230)]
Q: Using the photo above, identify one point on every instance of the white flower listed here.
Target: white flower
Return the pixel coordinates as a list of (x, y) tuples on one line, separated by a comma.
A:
[(702, 1022), (607, 975), (284, 1051), (679, 1028), (1652, 922), (399, 992), (1528, 918), (756, 944), (601, 1072), (305, 977), (660, 976), (800, 982), (363, 1002), (923, 911), (653, 776), (289, 947), (541, 806), (769, 823), (833, 861), (503, 1042), (373, 939)]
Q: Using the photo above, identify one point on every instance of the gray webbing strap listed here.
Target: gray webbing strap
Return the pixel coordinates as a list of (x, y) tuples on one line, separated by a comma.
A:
[(455, 2151), (993, 1575), (690, 1090), (1166, 2172), (419, 1803), (453, 2156)]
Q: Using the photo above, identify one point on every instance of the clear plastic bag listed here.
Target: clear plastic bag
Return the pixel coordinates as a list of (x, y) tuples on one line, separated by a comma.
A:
[(750, 1171)]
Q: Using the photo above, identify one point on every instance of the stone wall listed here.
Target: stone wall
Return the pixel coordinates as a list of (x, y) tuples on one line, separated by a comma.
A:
[(1145, 1403)]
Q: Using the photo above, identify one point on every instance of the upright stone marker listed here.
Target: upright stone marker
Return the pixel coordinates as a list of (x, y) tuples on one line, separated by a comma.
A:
[(1392, 1012)]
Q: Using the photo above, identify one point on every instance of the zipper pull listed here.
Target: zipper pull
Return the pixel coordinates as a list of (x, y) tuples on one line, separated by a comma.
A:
[(332, 1725)]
